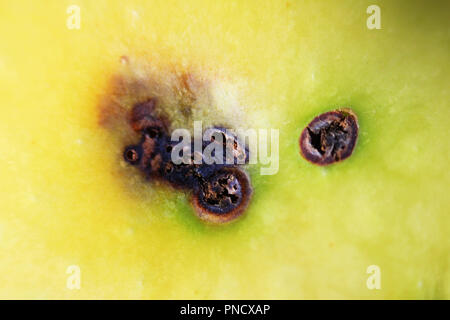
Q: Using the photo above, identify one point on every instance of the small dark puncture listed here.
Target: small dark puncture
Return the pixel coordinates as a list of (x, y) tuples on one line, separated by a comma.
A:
[(132, 154), (330, 137), (221, 191)]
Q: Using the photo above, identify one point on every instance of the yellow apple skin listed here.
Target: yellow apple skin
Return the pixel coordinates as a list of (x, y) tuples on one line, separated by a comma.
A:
[(67, 198)]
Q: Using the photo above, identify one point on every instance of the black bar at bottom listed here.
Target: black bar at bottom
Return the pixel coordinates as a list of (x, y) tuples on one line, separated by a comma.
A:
[(225, 309)]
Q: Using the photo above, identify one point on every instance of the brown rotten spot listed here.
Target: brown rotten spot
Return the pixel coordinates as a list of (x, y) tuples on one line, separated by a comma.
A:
[(330, 137), (223, 196)]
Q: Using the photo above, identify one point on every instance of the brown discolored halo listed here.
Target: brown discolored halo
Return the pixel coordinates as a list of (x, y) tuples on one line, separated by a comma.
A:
[(223, 197), (330, 137)]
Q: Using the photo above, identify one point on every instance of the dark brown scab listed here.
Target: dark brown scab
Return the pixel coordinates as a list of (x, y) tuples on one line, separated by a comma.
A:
[(330, 137), (224, 196)]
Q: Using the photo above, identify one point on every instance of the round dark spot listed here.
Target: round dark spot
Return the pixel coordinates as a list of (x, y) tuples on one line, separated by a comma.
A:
[(132, 154), (223, 196), (330, 137)]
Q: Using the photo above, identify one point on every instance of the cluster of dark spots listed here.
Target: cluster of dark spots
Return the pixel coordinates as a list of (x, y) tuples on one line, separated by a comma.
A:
[(221, 190), (330, 137)]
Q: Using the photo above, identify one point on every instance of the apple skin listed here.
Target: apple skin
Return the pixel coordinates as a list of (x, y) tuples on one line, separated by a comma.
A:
[(68, 199)]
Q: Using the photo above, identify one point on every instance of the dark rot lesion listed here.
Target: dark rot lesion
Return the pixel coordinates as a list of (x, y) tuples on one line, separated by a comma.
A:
[(220, 191), (223, 196), (330, 137)]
